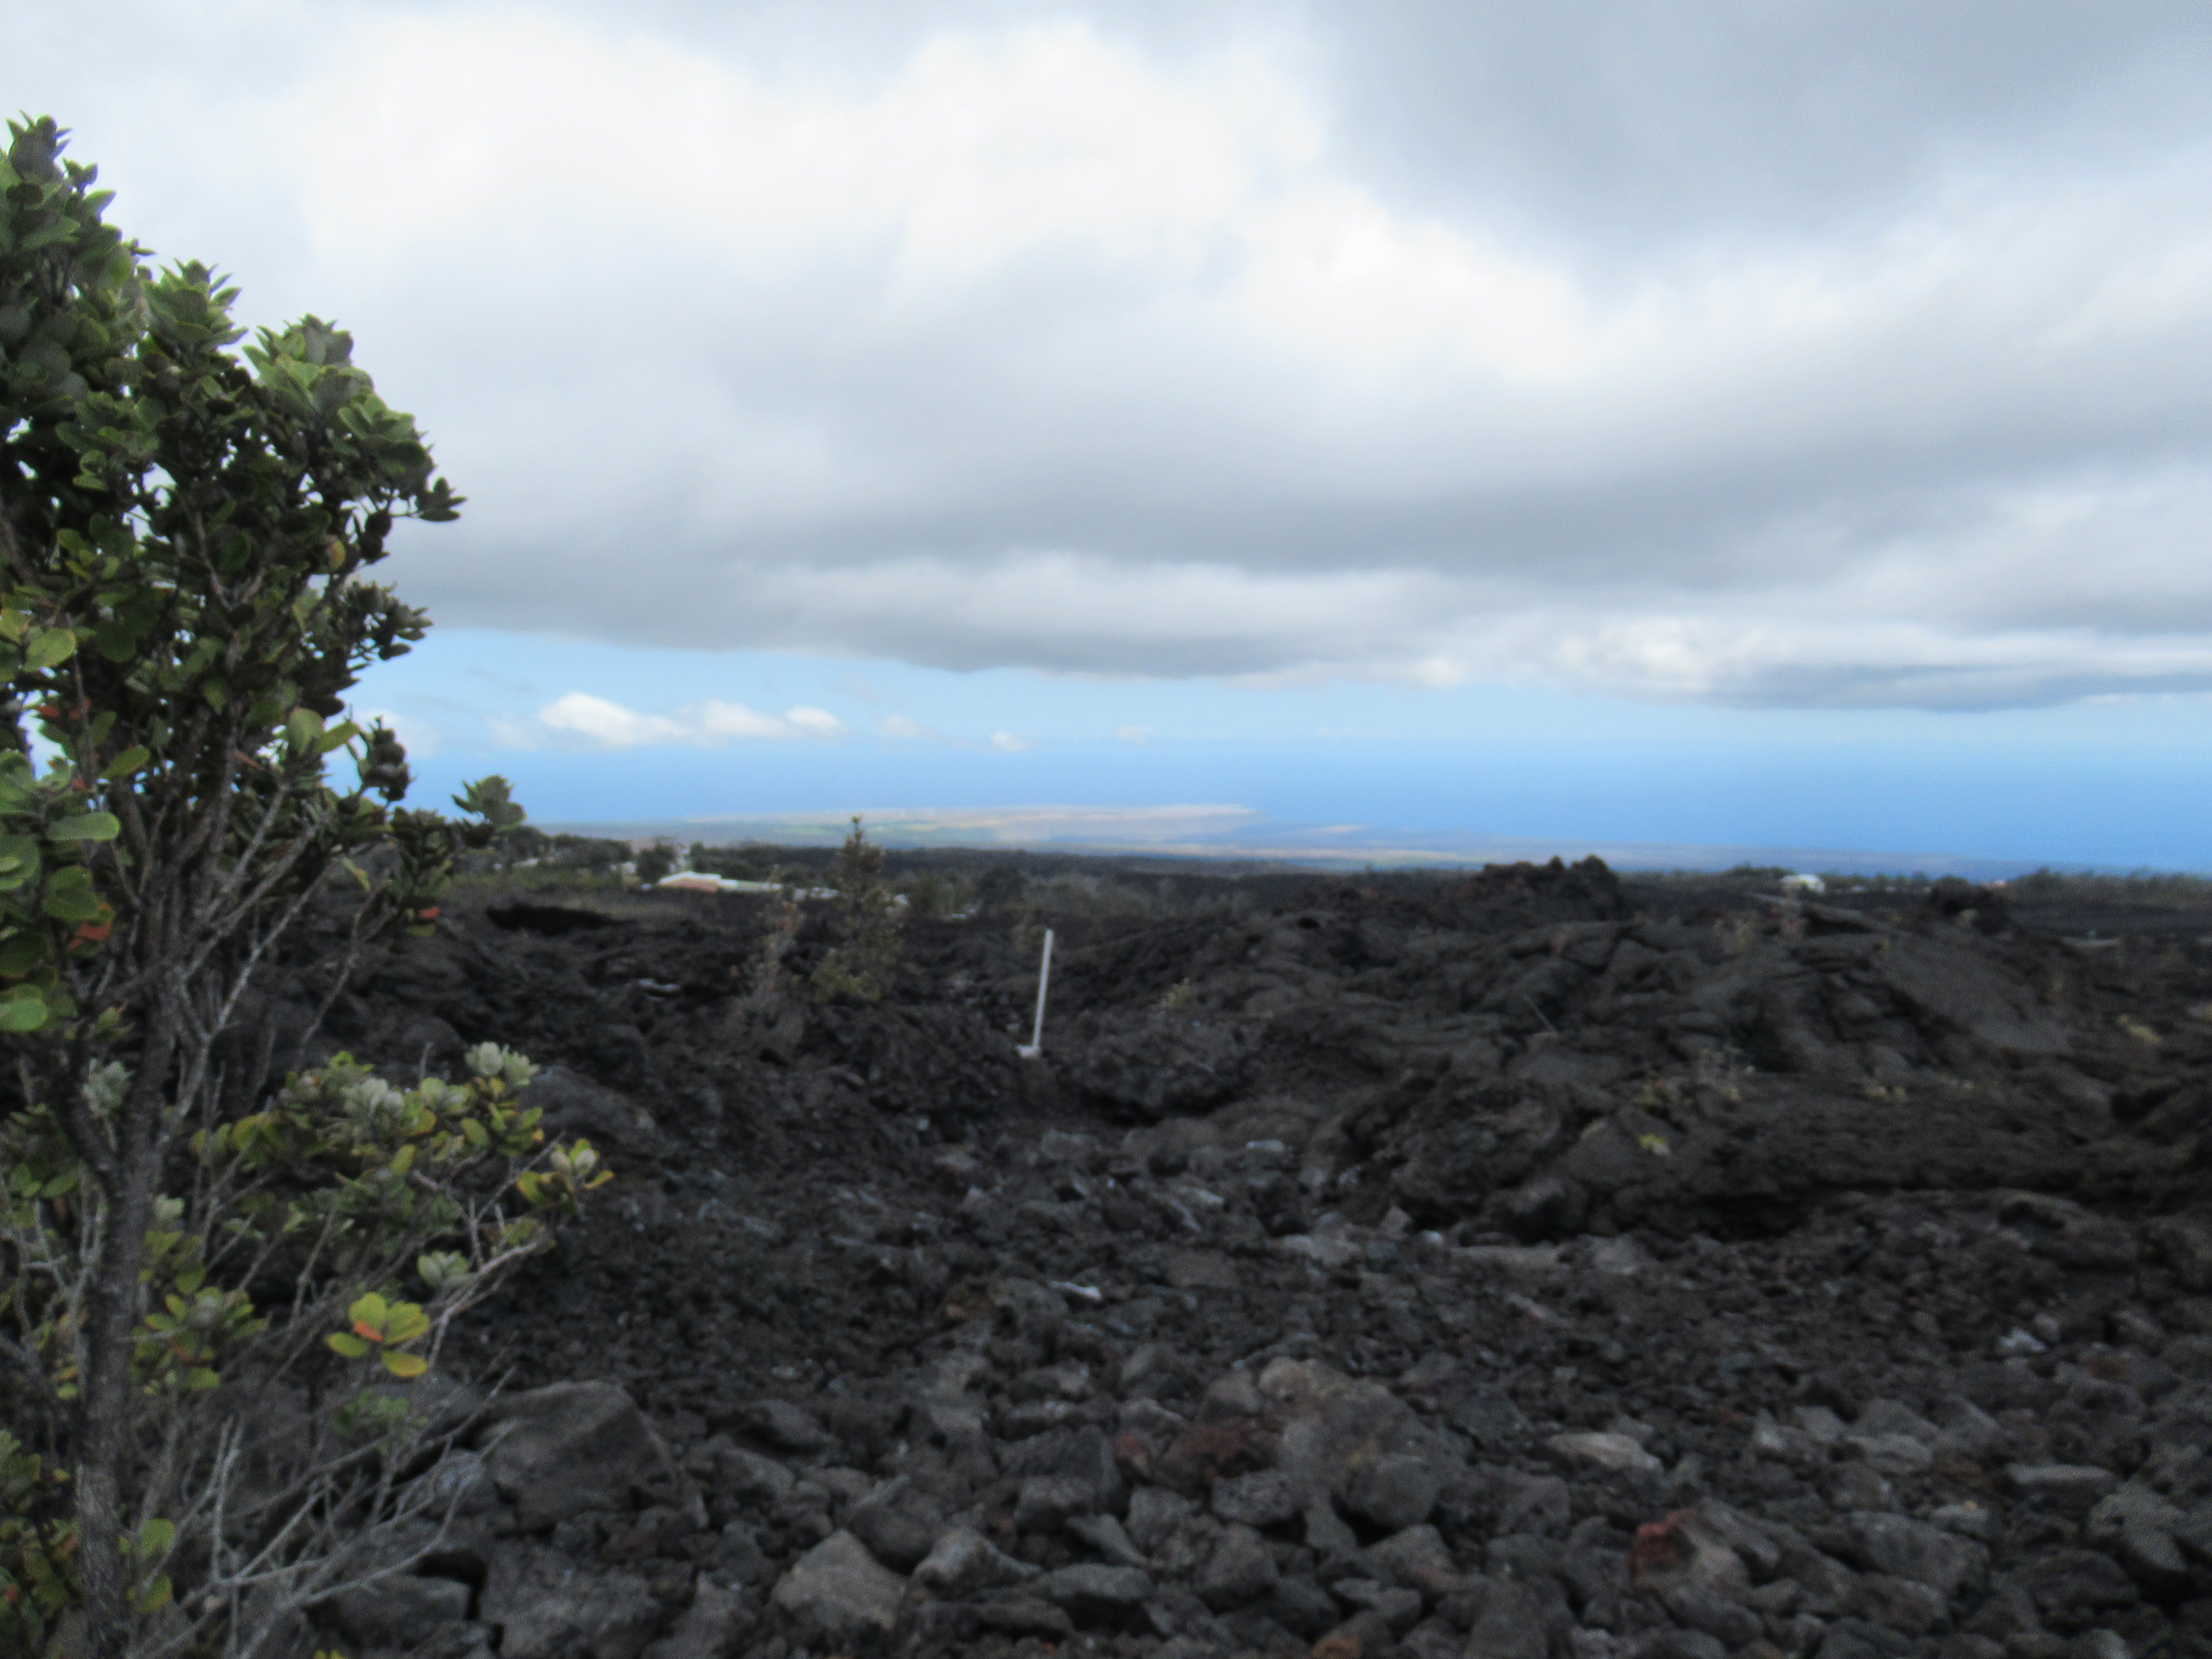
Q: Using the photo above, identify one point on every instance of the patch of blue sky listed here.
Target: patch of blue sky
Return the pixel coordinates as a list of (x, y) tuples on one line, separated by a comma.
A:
[(2117, 781)]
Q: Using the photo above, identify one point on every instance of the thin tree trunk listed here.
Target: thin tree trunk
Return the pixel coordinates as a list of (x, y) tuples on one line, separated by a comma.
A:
[(105, 1442)]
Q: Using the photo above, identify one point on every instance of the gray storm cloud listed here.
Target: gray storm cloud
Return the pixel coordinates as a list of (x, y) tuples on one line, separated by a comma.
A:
[(1838, 356)]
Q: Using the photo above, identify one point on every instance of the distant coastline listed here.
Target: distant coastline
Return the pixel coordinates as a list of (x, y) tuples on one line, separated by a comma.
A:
[(1215, 832)]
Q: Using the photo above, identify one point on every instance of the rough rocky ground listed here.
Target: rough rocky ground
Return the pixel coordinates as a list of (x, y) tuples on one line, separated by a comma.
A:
[(1525, 1265)]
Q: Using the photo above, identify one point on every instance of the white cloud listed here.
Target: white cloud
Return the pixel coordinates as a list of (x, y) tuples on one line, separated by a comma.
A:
[(899, 726), (1822, 357), (812, 722), (582, 720), (1006, 743), (1135, 733)]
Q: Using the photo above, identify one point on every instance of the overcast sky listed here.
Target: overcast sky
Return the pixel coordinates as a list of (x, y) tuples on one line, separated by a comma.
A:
[(1722, 355)]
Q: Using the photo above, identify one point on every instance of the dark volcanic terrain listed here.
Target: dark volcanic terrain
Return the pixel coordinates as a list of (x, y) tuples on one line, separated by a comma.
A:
[(1528, 1265)]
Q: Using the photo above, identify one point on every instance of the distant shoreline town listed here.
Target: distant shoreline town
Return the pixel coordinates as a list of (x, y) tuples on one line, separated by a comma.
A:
[(1229, 833)]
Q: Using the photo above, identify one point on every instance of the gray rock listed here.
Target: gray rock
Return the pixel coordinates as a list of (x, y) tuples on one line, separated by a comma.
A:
[(559, 1451), (546, 1609), (1801, 1634), (840, 1593), (1968, 1430), (898, 1523), (1412, 1556), (2128, 1508), (1700, 1559), (1302, 1606), (1266, 1498), (1611, 1452), (1967, 1519), (574, 1105), (1148, 1417), (2187, 1246), (1161, 1064), (1699, 1607), (1878, 1417), (1394, 1491), (846, 1486), (1860, 1486), (1905, 1548), (1400, 1609), (784, 1426), (804, 1512), (1365, 1633), (2155, 1559), (1024, 1615), (1899, 1604), (460, 1485), (717, 1619), (1233, 1393), (1104, 1534), (1157, 1364), (1083, 1455), (1892, 1454), (1058, 1147), (1047, 1501), (1156, 1515), (1777, 1442), (398, 1612), (2073, 1588), (1487, 1414), (1758, 1549), (1823, 1425), (1330, 1538), (1097, 1597), (1333, 1425), (2069, 1488), (963, 1565), (1510, 1625), (1240, 1569), (1824, 1582), (1671, 1644)]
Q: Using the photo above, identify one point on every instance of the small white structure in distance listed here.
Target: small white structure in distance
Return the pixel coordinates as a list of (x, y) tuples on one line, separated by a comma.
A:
[(1804, 884), (697, 881)]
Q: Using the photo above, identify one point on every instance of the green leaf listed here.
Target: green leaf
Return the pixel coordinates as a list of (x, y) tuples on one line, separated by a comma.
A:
[(155, 1539), (22, 1013), (50, 647), (370, 1309), (21, 856), (70, 897), (346, 1343), (86, 826), (405, 1364), (125, 763), (158, 1590), (115, 640)]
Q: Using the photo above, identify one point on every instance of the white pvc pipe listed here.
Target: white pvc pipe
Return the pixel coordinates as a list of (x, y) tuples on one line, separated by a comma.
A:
[(1036, 1045)]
